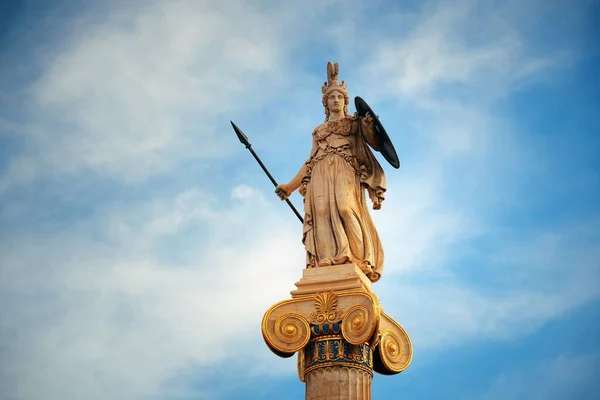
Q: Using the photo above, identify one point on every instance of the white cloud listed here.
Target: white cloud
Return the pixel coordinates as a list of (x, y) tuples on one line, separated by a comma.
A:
[(102, 309), (119, 303), (113, 318), (460, 43), (245, 192), (446, 72), (138, 92), (413, 220), (522, 283)]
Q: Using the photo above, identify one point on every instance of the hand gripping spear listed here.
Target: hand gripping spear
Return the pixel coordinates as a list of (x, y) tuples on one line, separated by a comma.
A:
[(244, 139)]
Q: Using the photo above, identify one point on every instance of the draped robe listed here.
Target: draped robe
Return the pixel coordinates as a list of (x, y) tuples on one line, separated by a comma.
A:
[(338, 228)]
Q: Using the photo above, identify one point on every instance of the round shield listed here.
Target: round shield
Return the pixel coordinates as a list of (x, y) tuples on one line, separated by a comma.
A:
[(386, 146)]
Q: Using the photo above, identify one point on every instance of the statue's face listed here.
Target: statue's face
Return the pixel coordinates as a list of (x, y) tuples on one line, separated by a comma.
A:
[(335, 101)]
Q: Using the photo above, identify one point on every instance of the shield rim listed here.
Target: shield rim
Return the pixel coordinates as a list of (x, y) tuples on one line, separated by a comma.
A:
[(362, 107)]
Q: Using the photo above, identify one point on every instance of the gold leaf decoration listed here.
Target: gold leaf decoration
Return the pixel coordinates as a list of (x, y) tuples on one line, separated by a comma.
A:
[(326, 310)]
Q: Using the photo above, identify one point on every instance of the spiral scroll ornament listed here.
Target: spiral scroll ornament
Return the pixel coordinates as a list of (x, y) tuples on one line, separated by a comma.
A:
[(395, 353), (358, 325), (291, 333)]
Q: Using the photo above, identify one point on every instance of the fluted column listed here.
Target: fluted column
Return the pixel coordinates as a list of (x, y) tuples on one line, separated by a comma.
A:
[(338, 383)]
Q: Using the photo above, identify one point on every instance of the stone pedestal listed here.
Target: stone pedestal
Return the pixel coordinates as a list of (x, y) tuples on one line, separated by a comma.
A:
[(335, 324)]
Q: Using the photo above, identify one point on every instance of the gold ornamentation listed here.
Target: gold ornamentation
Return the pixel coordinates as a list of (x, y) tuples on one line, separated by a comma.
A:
[(326, 309), (339, 365), (358, 325), (291, 329), (394, 352), (285, 327), (336, 352)]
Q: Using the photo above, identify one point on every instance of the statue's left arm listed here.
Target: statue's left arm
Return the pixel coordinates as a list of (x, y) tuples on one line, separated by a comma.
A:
[(368, 131), (375, 183)]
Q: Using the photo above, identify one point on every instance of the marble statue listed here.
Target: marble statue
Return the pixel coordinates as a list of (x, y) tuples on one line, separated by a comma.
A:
[(340, 170)]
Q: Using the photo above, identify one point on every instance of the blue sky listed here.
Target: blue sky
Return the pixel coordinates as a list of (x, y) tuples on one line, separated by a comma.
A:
[(140, 244)]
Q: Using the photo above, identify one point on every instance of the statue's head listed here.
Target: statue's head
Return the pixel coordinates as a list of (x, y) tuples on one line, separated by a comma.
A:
[(334, 92)]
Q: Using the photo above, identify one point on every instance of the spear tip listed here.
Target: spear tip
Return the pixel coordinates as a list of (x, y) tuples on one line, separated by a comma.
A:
[(243, 138)]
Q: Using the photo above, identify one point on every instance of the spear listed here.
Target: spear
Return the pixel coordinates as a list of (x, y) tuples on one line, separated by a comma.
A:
[(244, 139)]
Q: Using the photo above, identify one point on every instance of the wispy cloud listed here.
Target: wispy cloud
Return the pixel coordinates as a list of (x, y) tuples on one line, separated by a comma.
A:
[(116, 302), (115, 317), (456, 48), (449, 72), (119, 96)]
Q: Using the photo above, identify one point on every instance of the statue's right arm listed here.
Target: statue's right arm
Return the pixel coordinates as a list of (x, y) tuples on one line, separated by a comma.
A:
[(285, 190)]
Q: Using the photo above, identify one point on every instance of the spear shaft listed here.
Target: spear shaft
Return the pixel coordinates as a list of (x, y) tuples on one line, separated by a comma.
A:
[(244, 139)]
